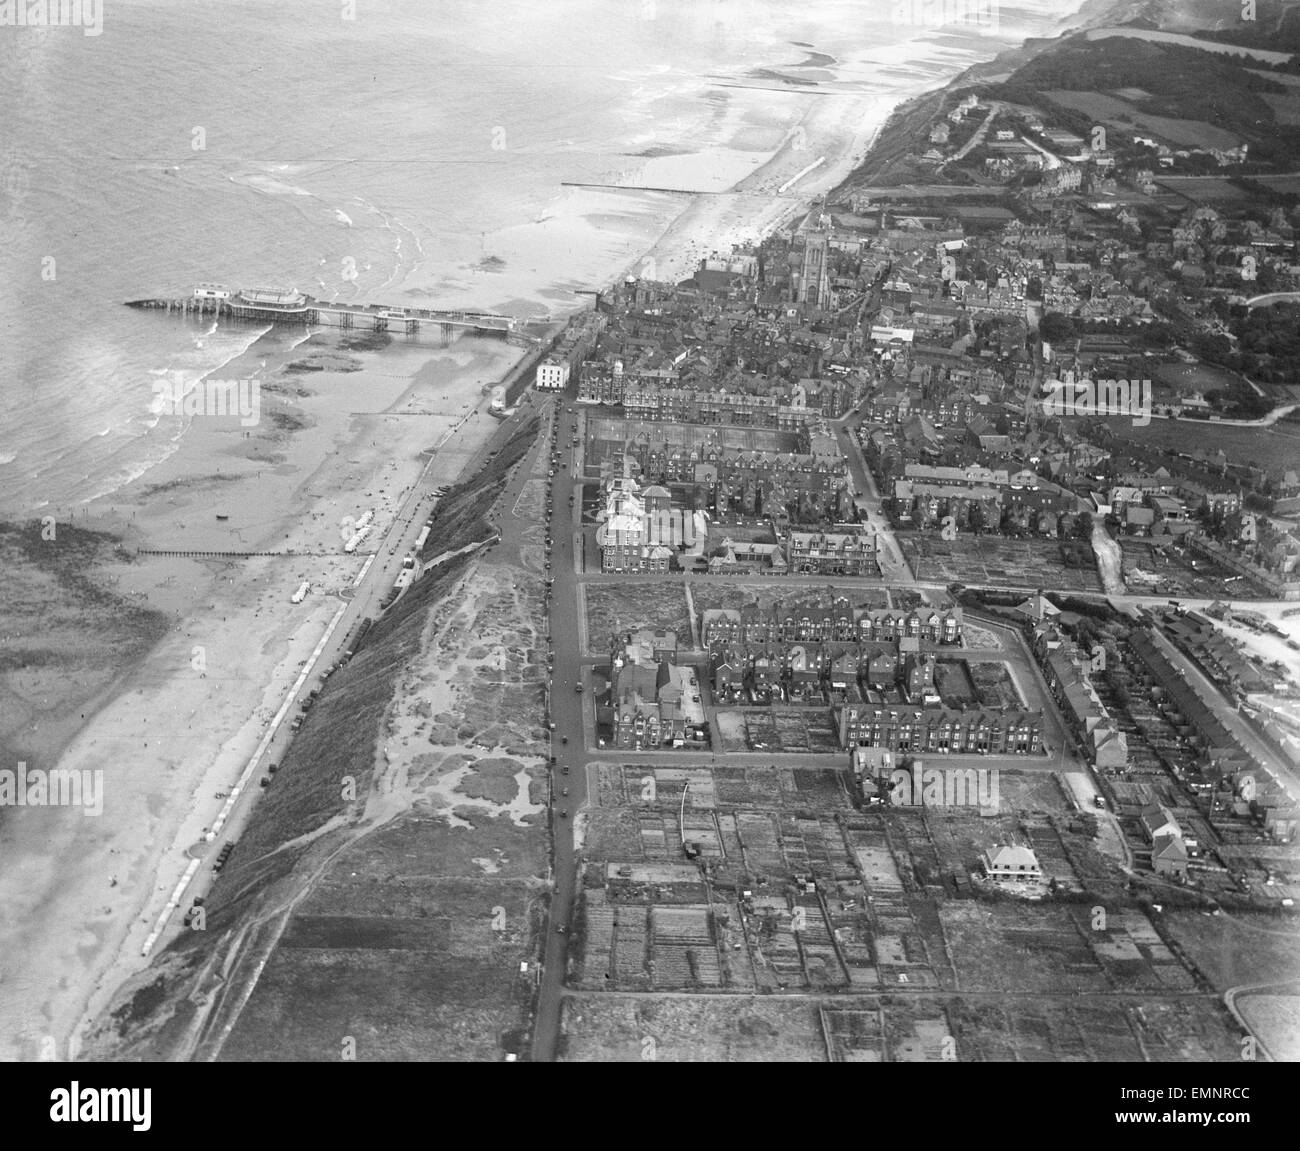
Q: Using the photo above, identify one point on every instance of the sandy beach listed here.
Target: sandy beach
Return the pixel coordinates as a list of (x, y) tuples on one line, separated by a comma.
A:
[(82, 892), (838, 131)]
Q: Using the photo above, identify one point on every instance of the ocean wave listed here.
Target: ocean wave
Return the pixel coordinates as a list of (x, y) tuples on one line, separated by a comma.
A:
[(268, 185), (127, 474), (149, 435)]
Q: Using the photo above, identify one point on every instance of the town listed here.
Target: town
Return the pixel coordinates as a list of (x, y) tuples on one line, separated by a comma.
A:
[(896, 670)]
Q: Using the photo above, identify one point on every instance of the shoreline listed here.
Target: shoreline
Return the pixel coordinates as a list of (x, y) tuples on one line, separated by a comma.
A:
[(176, 726), (285, 488), (754, 208)]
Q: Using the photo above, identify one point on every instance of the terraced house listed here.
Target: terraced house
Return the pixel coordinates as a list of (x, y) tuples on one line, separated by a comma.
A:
[(941, 731), (833, 553), (772, 623), (807, 670)]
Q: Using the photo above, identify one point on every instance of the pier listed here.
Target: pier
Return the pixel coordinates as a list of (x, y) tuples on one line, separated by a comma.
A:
[(286, 306)]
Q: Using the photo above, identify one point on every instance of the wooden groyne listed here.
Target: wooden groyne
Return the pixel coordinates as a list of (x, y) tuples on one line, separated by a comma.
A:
[(173, 553), (639, 188)]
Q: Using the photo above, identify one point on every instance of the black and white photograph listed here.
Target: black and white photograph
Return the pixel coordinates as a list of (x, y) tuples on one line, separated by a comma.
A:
[(651, 531)]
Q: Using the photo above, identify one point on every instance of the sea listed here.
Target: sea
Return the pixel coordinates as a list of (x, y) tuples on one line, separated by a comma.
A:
[(397, 151)]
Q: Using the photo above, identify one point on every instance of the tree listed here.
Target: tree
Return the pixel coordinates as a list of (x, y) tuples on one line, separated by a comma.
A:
[(1056, 327), (1083, 526), (1122, 695)]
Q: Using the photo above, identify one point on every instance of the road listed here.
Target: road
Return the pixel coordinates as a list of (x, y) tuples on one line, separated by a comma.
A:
[(976, 140), (892, 564), (1052, 160), (565, 707), (1110, 558)]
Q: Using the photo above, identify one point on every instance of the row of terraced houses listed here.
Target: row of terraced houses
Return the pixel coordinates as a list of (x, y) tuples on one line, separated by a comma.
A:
[(803, 670), (940, 730), (841, 623)]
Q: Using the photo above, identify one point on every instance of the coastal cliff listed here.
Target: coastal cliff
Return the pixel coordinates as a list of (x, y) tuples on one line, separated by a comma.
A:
[(360, 875), (903, 139)]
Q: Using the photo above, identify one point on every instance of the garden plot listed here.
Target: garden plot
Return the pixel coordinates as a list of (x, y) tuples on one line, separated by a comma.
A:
[(620, 607), (635, 1029), (783, 730), (994, 561)]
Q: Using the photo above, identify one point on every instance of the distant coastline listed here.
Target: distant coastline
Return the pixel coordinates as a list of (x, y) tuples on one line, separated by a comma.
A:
[(859, 158)]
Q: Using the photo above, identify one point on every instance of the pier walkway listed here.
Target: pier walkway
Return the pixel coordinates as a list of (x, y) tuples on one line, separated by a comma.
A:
[(280, 306)]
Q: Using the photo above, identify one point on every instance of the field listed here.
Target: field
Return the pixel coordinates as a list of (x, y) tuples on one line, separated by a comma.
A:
[(890, 1028), (1122, 116), (1187, 378), (890, 912), (1275, 449), (1288, 183), (998, 562), (635, 1030), (1174, 574), (1204, 189), (621, 607), (986, 684), (787, 887), (388, 951), (953, 682), (980, 638), (1267, 951), (607, 436), (1286, 107), (709, 596), (785, 730), (1020, 947)]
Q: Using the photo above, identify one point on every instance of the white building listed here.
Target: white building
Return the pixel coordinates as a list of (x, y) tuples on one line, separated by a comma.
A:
[(1012, 863), (552, 374)]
